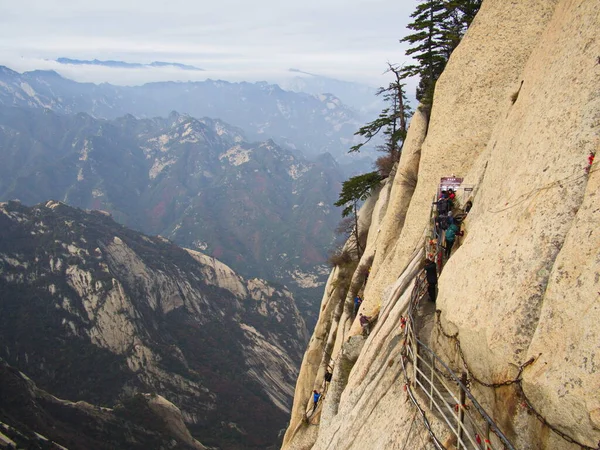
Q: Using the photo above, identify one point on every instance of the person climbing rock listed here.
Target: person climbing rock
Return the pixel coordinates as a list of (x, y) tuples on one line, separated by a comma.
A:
[(431, 275), (365, 323), (357, 303), (451, 234), (316, 397), (328, 376)]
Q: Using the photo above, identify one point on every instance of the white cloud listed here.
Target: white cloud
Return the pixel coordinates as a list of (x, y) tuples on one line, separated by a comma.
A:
[(349, 39)]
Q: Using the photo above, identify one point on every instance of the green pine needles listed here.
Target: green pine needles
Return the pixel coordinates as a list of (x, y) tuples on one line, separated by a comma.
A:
[(438, 26)]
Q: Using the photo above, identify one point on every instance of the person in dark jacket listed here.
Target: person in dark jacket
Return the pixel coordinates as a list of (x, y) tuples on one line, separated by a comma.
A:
[(316, 397), (442, 206), (328, 376), (431, 275), (468, 207), (365, 323)]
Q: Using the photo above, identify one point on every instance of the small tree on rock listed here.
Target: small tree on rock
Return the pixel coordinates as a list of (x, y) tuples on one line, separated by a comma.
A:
[(355, 190)]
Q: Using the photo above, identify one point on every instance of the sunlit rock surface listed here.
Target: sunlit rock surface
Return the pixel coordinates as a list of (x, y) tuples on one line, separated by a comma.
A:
[(516, 113)]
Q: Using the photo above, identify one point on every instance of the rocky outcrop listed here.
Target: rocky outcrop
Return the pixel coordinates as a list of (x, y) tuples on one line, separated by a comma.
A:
[(516, 113), (80, 292)]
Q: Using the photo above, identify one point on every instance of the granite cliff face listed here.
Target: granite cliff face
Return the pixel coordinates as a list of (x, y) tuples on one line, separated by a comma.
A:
[(95, 312), (517, 114)]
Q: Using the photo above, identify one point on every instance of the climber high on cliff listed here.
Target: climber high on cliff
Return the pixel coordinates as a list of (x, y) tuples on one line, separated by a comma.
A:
[(357, 302), (316, 397), (365, 323)]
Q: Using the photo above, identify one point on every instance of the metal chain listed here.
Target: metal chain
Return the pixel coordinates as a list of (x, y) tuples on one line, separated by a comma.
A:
[(566, 437), (516, 381)]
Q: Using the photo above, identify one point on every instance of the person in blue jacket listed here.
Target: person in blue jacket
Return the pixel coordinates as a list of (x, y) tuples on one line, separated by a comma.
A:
[(316, 397), (357, 302)]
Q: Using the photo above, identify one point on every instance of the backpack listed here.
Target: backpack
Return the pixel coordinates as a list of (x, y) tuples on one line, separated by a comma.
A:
[(443, 221), (442, 206), (451, 233)]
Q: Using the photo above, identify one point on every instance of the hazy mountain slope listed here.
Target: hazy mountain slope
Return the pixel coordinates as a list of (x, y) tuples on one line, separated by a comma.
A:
[(256, 206), (357, 95), (92, 311), (312, 124)]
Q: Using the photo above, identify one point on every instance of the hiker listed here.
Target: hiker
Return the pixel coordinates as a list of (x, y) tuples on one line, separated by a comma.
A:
[(451, 234), (450, 218), (328, 376), (431, 275), (365, 324), (357, 303), (441, 225), (468, 207), (316, 397), (442, 206)]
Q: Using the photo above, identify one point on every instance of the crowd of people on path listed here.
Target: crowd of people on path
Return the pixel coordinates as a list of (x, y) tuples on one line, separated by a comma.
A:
[(447, 222), (447, 226)]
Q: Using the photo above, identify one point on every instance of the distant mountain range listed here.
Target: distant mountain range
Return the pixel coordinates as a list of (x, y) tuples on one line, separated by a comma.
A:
[(124, 65), (311, 124), (359, 96), (257, 206), (95, 312)]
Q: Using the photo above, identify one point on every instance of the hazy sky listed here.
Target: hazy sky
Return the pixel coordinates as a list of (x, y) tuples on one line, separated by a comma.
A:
[(231, 39)]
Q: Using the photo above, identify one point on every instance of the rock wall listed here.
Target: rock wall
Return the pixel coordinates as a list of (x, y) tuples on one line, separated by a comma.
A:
[(516, 113)]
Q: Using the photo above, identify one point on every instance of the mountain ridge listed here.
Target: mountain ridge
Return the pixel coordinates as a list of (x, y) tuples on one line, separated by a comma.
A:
[(310, 124), (196, 181), (96, 312)]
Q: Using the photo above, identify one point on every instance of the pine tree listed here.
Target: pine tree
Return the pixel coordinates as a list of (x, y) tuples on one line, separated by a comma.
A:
[(392, 121), (355, 190), (439, 26), (428, 47)]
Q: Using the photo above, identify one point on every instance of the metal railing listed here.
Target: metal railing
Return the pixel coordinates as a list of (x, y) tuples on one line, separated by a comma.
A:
[(446, 392)]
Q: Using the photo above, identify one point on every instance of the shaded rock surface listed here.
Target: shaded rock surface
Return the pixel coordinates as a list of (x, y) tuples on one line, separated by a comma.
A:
[(33, 419)]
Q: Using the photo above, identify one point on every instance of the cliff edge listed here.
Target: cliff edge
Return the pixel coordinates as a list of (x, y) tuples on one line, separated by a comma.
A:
[(516, 114)]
